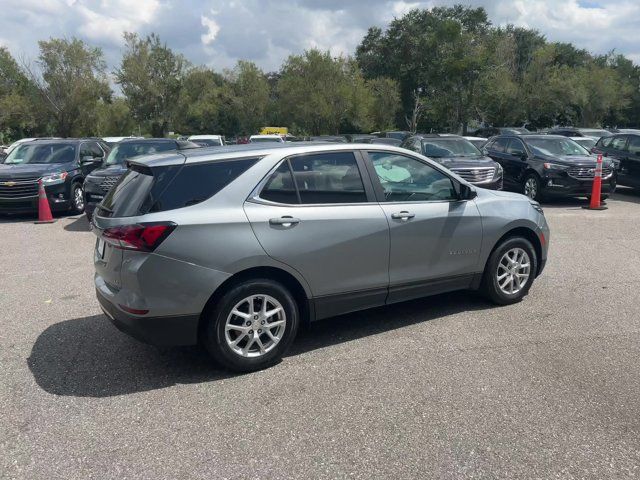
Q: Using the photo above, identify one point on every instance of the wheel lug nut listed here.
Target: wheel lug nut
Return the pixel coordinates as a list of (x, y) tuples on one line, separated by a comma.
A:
[(250, 332), (259, 330), (262, 322), (248, 324), (255, 317)]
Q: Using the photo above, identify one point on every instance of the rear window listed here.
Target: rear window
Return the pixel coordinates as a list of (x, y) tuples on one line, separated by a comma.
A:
[(146, 190)]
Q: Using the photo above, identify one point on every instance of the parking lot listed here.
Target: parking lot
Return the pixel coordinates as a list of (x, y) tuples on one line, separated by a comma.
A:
[(445, 387)]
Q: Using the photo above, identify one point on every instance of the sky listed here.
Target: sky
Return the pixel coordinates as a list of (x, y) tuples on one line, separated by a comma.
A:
[(220, 32)]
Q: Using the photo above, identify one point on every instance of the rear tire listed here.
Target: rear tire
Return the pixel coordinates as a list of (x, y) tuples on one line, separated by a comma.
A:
[(243, 341), (502, 281)]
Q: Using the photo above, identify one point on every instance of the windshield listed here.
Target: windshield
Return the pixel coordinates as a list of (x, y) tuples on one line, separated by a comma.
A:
[(556, 146), (586, 142), (514, 130), (264, 139), (126, 151), (28, 153), (449, 147), (595, 132), (208, 142)]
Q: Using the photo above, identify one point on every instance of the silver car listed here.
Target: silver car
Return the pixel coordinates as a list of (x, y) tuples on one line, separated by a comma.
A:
[(236, 247)]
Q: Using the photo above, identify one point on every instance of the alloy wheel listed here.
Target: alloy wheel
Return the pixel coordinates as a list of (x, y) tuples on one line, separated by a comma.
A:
[(514, 270), (531, 188), (78, 199), (255, 326)]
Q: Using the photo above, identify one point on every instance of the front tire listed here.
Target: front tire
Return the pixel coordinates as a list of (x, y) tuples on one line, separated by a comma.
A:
[(252, 325), (77, 199), (532, 187), (510, 271)]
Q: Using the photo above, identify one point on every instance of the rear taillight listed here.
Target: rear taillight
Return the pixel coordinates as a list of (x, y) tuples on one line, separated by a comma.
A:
[(144, 237)]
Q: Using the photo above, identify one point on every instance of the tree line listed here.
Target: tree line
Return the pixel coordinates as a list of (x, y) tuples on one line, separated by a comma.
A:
[(439, 69)]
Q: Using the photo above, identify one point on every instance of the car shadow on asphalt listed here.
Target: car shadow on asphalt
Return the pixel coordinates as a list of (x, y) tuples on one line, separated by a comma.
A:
[(89, 357), (79, 224)]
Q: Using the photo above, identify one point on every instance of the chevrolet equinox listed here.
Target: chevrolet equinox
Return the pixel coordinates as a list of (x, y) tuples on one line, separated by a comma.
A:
[(235, 247)]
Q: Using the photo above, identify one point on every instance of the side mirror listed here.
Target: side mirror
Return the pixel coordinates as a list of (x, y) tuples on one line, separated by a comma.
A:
[(87, 159), (466, 192)]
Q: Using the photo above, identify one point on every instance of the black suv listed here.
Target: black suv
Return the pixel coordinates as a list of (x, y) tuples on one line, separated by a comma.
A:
[(548, 165), (61, 164), (460, 156), (624, 150), (101, 180)]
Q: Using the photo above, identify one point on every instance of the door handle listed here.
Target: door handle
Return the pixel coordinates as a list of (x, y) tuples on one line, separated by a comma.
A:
[(285, 221), (404, 215)]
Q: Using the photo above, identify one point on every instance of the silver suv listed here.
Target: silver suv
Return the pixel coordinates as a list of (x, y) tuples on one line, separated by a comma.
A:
[(234, 247)]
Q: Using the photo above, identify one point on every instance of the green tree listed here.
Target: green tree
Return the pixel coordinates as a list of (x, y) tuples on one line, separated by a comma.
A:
[(440, 52), (385, 102), (114, 119), (18, 115), (151, 77), (319, 93), (251, 95), (200, 102), (71, 82)]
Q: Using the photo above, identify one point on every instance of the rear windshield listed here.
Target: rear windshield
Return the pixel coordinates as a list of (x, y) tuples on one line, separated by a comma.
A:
[(128, 150), (146, 190)]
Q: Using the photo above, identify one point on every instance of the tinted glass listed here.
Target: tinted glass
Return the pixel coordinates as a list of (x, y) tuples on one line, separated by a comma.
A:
[(595, 132), (280, 188), (95, 150), (42, 153), (328, 178), (605, 141), (143, 189), (618, 143), (405, 179), (208, 142), (126, 151), (449, 147), (197, 182), (516, 147), (499, 145), (634, 144)]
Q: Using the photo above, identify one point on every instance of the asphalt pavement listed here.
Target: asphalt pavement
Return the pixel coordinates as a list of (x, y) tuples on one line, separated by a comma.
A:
[(447, 387)]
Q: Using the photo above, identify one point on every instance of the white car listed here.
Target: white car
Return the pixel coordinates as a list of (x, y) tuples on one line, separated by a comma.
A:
[(265, 138), (586, 142), (478, 142), (207, 140)]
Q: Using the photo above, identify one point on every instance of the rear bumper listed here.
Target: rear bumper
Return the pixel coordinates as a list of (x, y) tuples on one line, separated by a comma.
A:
[(162, 331)]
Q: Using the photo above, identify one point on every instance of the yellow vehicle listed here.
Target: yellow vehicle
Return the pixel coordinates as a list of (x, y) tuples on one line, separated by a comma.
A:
[(274, 131)]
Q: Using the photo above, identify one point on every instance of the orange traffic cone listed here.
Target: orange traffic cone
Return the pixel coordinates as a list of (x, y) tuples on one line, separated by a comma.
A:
[(596, 189), (44, 212)]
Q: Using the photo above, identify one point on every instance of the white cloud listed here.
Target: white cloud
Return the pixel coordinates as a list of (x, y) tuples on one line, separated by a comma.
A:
[(212, 29), (219, 32)]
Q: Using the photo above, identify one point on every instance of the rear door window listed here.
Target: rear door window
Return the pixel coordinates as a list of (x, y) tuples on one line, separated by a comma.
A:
[(328, 178), (280, 187), (144, 190)]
